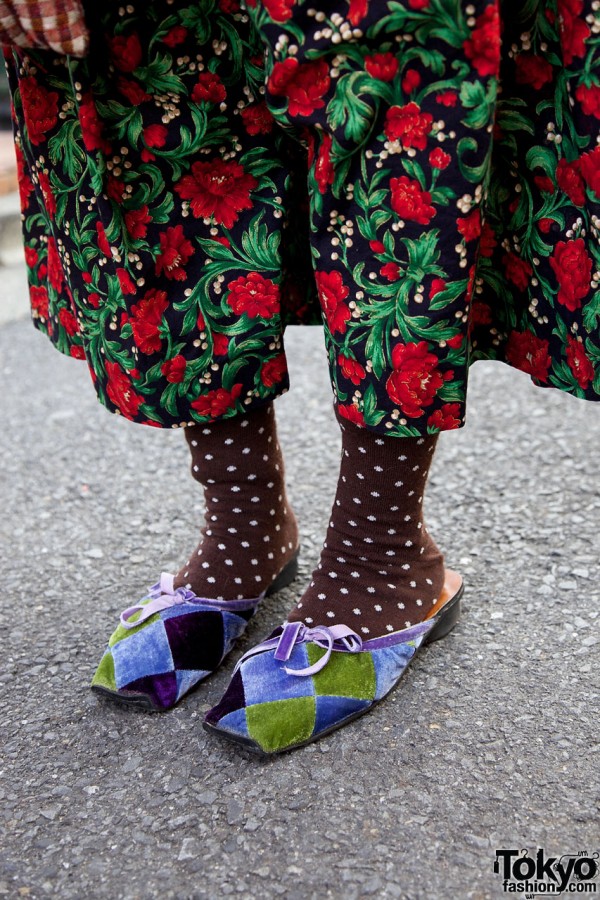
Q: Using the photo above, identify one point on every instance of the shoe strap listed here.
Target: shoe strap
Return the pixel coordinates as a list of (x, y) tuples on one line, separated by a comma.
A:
[(163, 595), (338, 638)]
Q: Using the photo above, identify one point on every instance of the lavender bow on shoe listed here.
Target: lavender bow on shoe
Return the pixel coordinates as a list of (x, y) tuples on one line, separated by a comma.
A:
[(171, 640), (302, 683)]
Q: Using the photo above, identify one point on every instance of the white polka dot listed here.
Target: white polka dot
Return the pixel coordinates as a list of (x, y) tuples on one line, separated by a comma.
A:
[(331, 615), (245, 544), (228, 441), (231, 468), (400, 605), (333, 574), (343, 590), (371, 590), (375, 494), (355, 574), (211, 579), (356, 611), (232, 530), (205, 565), (377, 468), (235, 488), (364, 630), (413, 584), (389, 628), (238, 580), (377, 607), (228, 562), (322, 596)]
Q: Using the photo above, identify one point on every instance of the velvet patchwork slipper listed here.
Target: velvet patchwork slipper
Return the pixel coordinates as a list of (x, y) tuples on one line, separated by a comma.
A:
[(171, 640), (302, 683)]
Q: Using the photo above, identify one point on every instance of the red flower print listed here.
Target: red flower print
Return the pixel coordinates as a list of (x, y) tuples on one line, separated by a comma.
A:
[(146, 317), (589, 97), (175, 251), (409, 125), (279, 10), (257, 119), (569, 180), (39, 301), (175, 35), (281, 75), (383, 66), (418, 4), (574, 30), (49, 199), (125, 282), (217, 189), (410, 202), (573, 269), (304, 84), (68, 322), (76, 351), (438, 159), (437, 286), (126, 52), (391, 271), (579, 363), (120, 391), (115, 189), (324, 171), (590, 169), (483, 47), (136, 221), (533, 70), (274, 370), (332, 293), (358, 10), (25, 183), (410, 81), (254, 295), (174, 369), (31, 256), (154, 136), (416, 379), (40, 108), (481, 313), (220, 343), (133, 92), (351, 412), (446, 418), (529, 353), (517, 270), (487, 241), (55, 269), (470, 225), (91, 126), (351, 369), (216, 403), (209, 89), (447, 98)]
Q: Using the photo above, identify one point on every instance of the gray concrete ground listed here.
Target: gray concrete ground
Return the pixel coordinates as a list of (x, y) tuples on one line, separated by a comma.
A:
[(490, 742)]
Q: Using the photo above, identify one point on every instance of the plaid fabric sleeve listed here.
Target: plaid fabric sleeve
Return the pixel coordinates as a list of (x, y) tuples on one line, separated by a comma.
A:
[(57, 25)]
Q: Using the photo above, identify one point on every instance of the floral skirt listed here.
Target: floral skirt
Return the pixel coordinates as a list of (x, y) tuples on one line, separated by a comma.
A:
[(421, 177)]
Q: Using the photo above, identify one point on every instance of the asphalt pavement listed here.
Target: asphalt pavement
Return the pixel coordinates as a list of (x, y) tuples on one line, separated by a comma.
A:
[(490, 742)]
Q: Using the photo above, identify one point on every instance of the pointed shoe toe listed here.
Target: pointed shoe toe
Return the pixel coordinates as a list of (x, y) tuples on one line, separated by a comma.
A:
[(170, 641), (303, 683)]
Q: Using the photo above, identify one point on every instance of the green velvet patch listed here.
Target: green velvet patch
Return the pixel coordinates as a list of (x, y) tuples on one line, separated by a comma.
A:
[(345, 675), (281, 723), (121, 633), (105, 673)]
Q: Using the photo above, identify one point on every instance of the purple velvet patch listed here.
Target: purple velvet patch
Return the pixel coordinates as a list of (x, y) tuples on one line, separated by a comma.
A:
[(162, 689), (196, 640), (232, 699)]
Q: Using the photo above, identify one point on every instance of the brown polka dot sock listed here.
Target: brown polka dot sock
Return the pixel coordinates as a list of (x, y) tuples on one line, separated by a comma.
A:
[(250, 530), (379, 570)]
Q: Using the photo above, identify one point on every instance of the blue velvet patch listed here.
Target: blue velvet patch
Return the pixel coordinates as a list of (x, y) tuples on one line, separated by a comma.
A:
[(187, 679), (235, 722), (233, 627), (331, 710), (145, 653), (389, 665), (265, 680)]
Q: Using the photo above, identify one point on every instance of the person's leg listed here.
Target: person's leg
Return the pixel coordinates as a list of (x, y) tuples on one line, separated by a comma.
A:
[(250, 531), (379, 569)]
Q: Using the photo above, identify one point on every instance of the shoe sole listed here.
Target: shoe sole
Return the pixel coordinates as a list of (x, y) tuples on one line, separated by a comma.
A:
[(442, 628), (288, 574)]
